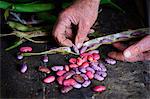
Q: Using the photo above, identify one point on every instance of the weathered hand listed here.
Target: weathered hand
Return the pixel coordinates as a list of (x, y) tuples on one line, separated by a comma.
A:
[(136, 52), (82, 13)]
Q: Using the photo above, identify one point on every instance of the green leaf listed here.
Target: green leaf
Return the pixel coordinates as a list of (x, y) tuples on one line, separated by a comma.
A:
[(6, 14)]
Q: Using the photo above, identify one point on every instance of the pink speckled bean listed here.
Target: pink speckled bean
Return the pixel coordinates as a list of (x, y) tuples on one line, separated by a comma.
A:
[(77, 85), (79, 61), (44, 69), (83, 49), (69, 82), (99, 88), (96, 56), (73, 60), (49, 79), (57, 68), (60, 80), (86, 83), (66, 89), (98, 77), (73, 65), (90, 74), (84, 55), (26, 49), (60, 72), (67, 68), (84, 65), (90, 58)]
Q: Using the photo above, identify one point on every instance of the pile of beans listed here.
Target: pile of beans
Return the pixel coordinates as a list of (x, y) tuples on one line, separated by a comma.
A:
[(79, 72)]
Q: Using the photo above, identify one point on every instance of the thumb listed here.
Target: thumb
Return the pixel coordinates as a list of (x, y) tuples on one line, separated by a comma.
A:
[(82, 32), (136, 49)]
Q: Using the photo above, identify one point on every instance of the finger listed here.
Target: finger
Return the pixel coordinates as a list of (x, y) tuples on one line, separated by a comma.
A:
[(116, 55), (82, 32), (141, 46), (120, 46), (68, 33), (147, 56), (91, 31), (59, 33), (86, 39)]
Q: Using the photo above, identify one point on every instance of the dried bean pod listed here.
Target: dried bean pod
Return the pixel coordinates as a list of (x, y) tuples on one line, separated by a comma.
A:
[(69, 82), (77, 85), (93, 51), (99, 88), (24, 68), (90, 74), (105, 40), (60, 72), (69, 74), (76, 50), (90, 69), (78, 78), (44, 69), (57, 68), (98, 77), (84, 76), (49, 79), (86, 83), (110, 61), (73, 60), (83, 49), (26, 49), (60, 80), (66, 89)]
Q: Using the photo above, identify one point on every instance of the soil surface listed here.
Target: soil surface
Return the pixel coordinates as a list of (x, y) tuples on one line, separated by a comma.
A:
[(124, 81)]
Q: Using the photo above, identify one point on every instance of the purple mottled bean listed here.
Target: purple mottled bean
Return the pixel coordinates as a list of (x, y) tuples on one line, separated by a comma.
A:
[(94, 63), (83, 70), (24, 68), (76, 49), (86, 83), (77, 70), (93, 51), (66, 89), (98, 77), (45, 59), (83, 49), (69, 74), (96, 67), (101, 73), (77, 85), (84, 76), (110, 61), (90, 69), (57, 68), (19, 57), (103, 68)]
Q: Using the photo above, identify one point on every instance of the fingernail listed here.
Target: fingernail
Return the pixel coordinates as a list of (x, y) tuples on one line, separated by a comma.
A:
[(79, 45), (127, 54)]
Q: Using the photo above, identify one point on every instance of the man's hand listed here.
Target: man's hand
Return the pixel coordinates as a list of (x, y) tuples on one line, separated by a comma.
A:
[(136, 52), (82, 13)]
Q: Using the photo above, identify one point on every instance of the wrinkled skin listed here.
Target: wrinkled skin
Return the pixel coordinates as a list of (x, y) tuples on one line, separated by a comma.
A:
[(83, 14), (139, 51)]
